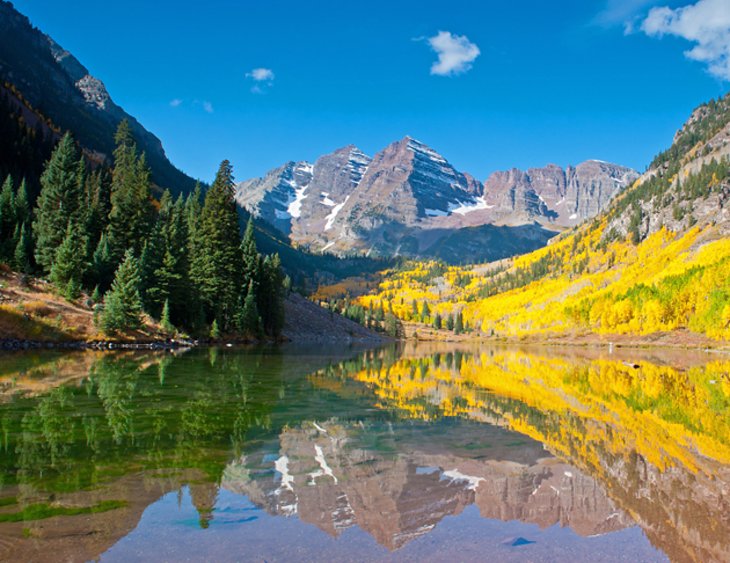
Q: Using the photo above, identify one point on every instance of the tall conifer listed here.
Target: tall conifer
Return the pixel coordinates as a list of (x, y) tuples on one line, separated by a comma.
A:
[(123, 304), (69, 263), (217, 266), (131, 215), (59, 202), (23, 254), (7, 220)]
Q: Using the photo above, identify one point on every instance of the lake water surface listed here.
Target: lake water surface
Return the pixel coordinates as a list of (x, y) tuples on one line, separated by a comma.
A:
[(416, 453)]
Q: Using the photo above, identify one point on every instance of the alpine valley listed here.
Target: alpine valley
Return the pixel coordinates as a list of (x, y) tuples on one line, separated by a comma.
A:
[(365, 355)]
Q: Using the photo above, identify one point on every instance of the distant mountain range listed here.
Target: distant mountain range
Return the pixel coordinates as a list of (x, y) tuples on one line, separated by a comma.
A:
[(409, 200)]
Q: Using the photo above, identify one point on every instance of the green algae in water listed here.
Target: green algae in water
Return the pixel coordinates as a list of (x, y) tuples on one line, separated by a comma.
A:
[(40, 511)]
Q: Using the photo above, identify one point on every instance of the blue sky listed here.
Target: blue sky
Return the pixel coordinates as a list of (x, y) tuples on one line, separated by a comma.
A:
[(553, 82)]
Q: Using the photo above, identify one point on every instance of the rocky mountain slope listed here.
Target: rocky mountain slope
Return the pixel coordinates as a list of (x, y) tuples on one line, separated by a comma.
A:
[(409, 200), (56, 84), (686, 185)]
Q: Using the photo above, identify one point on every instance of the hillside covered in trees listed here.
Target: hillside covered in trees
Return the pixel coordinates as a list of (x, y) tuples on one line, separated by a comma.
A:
[(99, 233), (657, 261)]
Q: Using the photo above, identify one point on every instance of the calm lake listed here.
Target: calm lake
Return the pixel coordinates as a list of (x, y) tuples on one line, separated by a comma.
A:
[(415, 452)]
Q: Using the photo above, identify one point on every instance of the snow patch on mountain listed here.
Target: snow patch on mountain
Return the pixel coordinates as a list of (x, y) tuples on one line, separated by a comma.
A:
[(333, 215), (421, 149), (295, 207), (302, 170), (464, 208), (358, 164)]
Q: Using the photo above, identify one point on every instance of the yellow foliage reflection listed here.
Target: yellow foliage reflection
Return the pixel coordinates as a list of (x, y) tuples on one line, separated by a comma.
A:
[(581, 410)]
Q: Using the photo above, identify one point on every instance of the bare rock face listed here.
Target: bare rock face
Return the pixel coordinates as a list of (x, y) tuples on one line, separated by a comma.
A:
[(409, 200), (335, 177), (563, 197), (94, 91), (277, 197), (408, 182)]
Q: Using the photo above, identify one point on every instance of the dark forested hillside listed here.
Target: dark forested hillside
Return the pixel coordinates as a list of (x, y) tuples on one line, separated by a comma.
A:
[(60, 88), (26, 139)]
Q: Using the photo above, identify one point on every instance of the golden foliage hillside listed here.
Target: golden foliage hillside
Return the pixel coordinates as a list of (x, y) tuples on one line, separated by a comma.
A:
[(581, 282)]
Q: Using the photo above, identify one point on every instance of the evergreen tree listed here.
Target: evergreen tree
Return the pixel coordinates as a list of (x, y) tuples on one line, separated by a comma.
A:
[(251, 260), (217, 266), (22, 205), (437, 321), (96, 296), (23, 255), (450, 322), (59, 202), (69, 264), (192, 214), (271, 297), (7, 221), (131, 215), (391, 325), (425, 312), (165, 322), (101, 272), (175, 272), (459, 323), (249, 321), (164, 263), (193, 210), (154, 294), (98, 203), (123, 304)]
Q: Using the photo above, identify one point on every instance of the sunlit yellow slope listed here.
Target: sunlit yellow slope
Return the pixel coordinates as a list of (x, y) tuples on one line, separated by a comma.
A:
[(668, 281)]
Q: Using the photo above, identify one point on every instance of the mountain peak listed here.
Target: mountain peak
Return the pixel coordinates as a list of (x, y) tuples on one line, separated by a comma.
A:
[(409, 195)]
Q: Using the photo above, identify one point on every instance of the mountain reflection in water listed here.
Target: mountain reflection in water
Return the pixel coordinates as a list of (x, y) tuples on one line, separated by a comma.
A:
[(389, 442)]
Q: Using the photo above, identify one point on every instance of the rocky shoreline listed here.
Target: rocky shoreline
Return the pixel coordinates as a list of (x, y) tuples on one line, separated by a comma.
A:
[(14, 344), (17, 345)]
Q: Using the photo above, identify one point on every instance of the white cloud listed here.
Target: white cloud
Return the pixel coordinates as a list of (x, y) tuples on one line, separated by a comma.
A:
[(263, 78), (456, 53), (705, 23), (177, 102), (261, 74), (207, 107)]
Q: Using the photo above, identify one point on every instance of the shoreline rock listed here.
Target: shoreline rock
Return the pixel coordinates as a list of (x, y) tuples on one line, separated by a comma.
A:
[(14, 344)]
